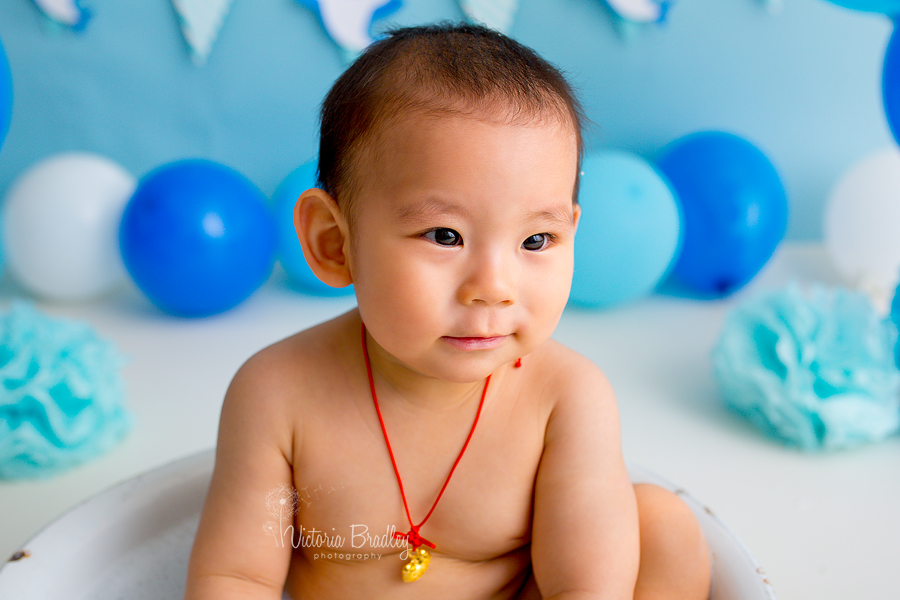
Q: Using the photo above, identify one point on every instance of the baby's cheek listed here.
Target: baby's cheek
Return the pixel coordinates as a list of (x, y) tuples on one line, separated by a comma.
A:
[(555, 284), (549, 304)]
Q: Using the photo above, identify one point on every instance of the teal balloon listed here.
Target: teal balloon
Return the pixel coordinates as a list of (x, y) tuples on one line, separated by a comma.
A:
[(6, 95), (629, 232), (885, 7), (290, 252), (734, 210), (890, 83)]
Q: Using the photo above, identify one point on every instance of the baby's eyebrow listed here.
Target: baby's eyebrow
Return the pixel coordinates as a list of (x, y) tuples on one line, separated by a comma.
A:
[(427, 210), (559, 215), (430, 209)]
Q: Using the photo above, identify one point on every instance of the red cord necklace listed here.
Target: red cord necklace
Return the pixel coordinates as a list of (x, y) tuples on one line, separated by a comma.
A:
[(419, 557)]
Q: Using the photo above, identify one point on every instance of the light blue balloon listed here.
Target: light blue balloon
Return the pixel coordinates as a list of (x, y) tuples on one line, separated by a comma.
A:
[(886, 7), (2, 246), (290, 253), (6, 95), (629, 233)]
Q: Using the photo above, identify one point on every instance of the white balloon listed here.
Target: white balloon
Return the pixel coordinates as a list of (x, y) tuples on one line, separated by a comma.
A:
[(60, 226), (862, 223)]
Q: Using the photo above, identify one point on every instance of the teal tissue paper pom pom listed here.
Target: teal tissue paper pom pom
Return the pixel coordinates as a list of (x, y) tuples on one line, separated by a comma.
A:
[(61, 394), (814, 370)]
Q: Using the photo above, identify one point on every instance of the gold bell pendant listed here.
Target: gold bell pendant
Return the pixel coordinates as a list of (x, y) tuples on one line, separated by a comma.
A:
[(417, 565)]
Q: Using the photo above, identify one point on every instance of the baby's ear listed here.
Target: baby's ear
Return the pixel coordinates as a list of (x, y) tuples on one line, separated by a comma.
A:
[(577, 214), (324, 236)]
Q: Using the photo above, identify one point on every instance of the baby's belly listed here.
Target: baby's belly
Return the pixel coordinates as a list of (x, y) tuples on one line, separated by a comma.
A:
[(324, 574)]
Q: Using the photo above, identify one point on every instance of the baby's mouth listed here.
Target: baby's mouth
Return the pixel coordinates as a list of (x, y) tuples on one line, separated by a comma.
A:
[(476, 342)]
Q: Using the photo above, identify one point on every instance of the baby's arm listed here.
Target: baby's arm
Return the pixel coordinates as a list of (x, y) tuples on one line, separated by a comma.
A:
[(233, 556), (585, 541)]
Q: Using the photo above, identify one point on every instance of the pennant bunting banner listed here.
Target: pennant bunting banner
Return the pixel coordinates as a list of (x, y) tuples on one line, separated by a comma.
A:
[(349, 22), (496, 14), (641, 11), (200, 22), (64, 12), (773, 6)]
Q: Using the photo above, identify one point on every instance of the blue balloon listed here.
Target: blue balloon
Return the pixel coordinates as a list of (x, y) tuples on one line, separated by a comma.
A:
[(290, 253), (197, 238), (885, 7), (629, 231), (6, 95), (895, 319), (890, 83), (734, 210)]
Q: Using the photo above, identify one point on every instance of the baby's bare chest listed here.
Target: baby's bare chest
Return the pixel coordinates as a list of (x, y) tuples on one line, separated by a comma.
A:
[(349, 497)]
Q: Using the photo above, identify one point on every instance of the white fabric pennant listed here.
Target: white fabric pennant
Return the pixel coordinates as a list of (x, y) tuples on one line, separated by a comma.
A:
[(349, 22), (774, 6), (641, 11), (200, 22), (65, 12), (496, 14)]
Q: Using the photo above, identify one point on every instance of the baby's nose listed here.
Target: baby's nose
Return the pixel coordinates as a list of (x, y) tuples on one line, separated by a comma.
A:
[(490, 282)]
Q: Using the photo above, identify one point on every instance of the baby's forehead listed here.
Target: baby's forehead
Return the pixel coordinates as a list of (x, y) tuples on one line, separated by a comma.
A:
[(392, 128), (498, 111), (425, 151), (391, 134)]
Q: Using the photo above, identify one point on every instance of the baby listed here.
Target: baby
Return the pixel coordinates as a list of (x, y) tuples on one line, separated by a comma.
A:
[(435, 442)]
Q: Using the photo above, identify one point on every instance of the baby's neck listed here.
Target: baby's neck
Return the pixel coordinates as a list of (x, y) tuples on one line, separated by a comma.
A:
[(397, 384)]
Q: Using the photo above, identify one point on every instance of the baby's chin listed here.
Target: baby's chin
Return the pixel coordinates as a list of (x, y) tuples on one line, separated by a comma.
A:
[(474, 370), (464, 360), (470, 368)]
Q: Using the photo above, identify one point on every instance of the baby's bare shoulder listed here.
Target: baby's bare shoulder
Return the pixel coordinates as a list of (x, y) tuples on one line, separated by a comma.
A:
[(571, 376), (574, 392), (281, 382), (305, 361)]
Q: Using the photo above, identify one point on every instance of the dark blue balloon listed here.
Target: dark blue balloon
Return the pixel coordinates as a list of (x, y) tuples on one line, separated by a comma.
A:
[(197, 238), (734, 210), (6, 95), (890, 83)]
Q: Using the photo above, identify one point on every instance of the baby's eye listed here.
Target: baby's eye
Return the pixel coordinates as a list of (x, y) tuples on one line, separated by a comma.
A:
[(536, 242), (444, 236)]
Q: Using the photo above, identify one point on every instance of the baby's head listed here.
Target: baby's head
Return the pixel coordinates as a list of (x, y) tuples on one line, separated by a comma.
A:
[(436, 70), (448, 172)]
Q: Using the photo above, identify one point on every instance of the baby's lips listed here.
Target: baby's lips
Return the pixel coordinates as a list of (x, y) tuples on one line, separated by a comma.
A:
[(476, 342)]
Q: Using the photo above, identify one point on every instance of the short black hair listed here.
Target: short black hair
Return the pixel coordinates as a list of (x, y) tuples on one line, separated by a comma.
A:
[(440, 67)]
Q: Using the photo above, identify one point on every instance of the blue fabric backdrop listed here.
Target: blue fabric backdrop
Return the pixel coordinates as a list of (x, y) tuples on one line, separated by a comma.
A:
[(803, 85)]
